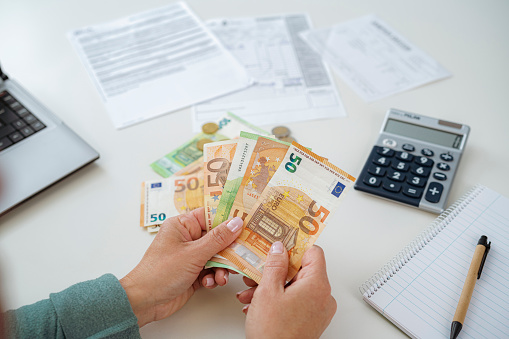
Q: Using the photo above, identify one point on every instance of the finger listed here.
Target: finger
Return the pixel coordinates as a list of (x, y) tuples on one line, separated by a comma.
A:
[(313, 261), (276, 268), (246, 296), (249, 282), (218, 239), (191, 221), (199, 214), (207, 279), (221, 276)]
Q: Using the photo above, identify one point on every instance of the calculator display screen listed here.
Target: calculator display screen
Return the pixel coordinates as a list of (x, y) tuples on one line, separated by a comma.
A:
[(423, 133)]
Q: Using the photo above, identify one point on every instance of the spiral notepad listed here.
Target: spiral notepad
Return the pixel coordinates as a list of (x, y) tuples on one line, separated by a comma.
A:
[(418, 290)]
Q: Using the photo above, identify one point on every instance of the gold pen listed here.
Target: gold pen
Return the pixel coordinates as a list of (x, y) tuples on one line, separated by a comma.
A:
[(481, 251)]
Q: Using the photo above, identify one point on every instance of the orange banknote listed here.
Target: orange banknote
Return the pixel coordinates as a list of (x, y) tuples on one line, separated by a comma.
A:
[(266, 158), (293, 208)]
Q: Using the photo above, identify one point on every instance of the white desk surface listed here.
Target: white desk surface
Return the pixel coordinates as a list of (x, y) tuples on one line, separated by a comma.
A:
[(87, 225)]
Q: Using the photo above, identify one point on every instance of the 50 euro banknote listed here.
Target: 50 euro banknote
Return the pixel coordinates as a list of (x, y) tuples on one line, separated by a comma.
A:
[(217, 159), (294, 207), (165, 198)]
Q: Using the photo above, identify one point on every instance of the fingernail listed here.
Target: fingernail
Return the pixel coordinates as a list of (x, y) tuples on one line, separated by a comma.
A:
[(238, 294), (226, 278), (277, 247), (235, 224), (209, 282), (244, 309)]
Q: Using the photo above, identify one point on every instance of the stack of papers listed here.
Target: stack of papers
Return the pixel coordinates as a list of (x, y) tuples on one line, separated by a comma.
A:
[(156, 62), (292, 83), (374, 59)]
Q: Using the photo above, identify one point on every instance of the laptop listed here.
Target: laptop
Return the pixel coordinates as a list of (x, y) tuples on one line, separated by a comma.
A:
[(36, 148)]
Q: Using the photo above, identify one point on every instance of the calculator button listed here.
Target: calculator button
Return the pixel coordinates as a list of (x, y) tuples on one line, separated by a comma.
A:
[(29, 118), (439, 176), (423, 161), (23, 112), (391, 186), (26, 131), (416, 181), (443, 166), (420, 170), (372, 181), (401, 166), (404, 156), (376, 170), (381, 161), (37, 126), (412, 192), (4, 143), (389, 142), (15, 137), (427, 152), (446, 157), (19, 124), (408, 147), (434, 192), (385, 151), (395, 175)]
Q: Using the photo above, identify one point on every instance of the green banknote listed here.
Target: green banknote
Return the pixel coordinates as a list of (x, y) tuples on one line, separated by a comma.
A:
[(238, 167), (183, 155)]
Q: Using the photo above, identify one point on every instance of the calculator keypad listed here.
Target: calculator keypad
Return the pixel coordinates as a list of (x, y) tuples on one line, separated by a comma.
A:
[(402, 176)]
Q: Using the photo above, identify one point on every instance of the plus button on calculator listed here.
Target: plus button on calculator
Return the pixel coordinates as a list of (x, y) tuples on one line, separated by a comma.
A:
[(414, 160)]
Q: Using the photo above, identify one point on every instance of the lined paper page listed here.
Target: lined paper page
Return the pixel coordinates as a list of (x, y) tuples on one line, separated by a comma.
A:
[(422, 297)]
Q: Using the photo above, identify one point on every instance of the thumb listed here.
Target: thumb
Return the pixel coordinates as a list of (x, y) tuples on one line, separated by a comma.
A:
[(218, 239), (276, 268)]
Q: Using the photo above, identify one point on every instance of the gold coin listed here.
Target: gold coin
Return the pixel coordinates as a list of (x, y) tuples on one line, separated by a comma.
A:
[(288, 139), (202, 142), (281, 131), (210, 128)]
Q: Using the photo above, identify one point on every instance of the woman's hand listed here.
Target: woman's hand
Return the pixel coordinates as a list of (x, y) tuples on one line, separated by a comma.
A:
[(172, 267), (302, 309)]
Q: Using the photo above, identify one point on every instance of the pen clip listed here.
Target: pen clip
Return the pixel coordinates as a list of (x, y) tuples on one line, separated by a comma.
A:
[(488, 246)]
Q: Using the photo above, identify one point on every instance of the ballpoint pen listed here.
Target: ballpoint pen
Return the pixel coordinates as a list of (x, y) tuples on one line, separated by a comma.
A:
[(481, 251)]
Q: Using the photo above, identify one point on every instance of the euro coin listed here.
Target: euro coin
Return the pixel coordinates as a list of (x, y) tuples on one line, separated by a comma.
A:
[(288, 139), (202, 142), (210, 128), (281, 131)]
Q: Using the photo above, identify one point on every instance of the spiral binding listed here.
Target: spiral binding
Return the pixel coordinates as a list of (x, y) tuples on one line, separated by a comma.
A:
[(409, 251)]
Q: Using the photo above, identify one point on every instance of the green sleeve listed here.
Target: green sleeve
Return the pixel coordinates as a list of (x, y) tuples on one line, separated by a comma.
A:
[(92, 309)]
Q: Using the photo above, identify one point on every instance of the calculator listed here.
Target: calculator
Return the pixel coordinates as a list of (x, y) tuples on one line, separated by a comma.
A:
[(414, 160)]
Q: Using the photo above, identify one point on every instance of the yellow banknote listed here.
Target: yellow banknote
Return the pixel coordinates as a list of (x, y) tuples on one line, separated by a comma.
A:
[(294, 207), (217, 158), (165, 198)]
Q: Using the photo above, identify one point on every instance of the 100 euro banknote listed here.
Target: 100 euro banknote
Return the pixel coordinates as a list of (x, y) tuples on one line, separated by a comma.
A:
[(165, 198), (300, 198)]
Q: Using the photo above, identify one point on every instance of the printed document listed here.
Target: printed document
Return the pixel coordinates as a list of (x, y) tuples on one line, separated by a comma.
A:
[(156, 62), (374, 59), (291, 81)]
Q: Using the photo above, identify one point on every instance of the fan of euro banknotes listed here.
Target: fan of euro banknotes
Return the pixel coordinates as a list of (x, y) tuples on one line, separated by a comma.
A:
[(282, 191)]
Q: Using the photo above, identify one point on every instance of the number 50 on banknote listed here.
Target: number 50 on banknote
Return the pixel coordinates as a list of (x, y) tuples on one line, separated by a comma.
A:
[(293, 208)]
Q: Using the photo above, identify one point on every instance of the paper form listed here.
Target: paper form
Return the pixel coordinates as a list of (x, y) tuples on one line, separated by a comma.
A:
[(291, 81), (421, 298), (156, 62), (374, 59)]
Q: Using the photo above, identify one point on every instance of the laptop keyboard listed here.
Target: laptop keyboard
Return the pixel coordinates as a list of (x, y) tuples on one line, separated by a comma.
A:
[(16, 122)]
